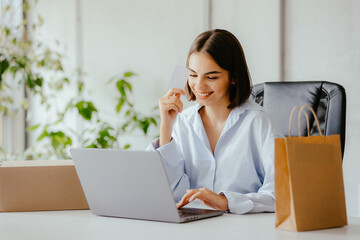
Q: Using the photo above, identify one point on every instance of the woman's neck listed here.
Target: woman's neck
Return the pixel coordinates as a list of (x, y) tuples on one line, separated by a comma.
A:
[(215, 114)]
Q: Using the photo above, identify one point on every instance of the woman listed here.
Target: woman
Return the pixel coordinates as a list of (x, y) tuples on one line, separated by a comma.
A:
[(220, 151)]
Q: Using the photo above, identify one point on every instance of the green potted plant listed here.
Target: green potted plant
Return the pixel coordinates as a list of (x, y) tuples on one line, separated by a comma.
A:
[(37, 70)]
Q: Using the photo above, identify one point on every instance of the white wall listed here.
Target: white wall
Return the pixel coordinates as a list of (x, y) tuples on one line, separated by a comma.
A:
[(150, 37), (257, 26)]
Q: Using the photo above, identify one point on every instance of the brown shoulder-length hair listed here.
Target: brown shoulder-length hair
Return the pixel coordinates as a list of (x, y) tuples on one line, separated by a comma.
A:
[(227, 52)]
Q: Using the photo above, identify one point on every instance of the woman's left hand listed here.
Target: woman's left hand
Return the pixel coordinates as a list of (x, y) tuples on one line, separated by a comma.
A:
[(207, 197)]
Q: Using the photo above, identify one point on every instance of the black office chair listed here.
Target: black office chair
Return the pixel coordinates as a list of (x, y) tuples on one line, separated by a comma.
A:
[(327, 99)]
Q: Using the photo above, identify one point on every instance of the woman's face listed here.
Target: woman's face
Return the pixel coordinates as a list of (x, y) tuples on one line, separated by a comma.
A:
[(208, 81)]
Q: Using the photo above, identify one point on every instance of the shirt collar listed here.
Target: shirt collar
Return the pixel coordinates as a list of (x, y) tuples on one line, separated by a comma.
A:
[(250, 104)]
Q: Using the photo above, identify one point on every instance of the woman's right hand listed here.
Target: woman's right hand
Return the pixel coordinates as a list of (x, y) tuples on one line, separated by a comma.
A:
[(170, 105)]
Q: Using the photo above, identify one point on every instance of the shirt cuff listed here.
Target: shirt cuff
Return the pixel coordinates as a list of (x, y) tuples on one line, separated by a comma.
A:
[(238, 203), (170, 153), (153, 145)]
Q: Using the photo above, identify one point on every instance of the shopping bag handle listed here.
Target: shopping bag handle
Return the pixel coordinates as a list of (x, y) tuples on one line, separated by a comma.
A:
[(302, 110), (299, 119), (315, 117)]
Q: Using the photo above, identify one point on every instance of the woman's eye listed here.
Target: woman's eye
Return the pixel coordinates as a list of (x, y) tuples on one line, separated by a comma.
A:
[(192, 75), (212, 78)]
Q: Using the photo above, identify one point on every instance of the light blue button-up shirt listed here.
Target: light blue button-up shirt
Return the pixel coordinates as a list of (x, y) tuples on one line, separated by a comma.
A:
[(242, 166)]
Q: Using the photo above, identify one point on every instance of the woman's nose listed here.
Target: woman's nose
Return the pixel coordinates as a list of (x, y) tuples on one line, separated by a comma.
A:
[(200, 84)]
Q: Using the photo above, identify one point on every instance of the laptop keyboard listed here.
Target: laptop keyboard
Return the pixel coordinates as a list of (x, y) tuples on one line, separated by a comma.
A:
[(187, 212)]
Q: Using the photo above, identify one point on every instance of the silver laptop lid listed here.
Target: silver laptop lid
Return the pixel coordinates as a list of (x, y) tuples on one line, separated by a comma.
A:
[(129, 184)]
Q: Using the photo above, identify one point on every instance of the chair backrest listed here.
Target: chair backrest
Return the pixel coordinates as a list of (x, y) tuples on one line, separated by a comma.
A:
[(327, 99)]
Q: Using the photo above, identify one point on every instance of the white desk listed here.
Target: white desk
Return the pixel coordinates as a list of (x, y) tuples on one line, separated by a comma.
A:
[(82, 224)]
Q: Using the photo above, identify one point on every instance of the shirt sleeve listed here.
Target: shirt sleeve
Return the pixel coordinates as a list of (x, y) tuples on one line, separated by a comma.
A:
[(249, 203), (174, 165), (264, 199)]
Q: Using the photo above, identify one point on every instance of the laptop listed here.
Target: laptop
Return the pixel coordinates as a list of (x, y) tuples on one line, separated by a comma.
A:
[(130, 184)]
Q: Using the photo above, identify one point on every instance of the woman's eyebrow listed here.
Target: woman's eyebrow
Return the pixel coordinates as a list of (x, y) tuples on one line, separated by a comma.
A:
[(191, 70), (212, 72)]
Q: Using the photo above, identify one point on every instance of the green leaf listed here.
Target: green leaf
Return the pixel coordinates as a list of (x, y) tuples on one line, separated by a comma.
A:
[(128, 85), (56, 141), (153, 121), (86, 109), (93, 145), (7, 31), (26, 6), (44, 134), (121, 88), (41, 63), (120, 104), (31, 128), (66, 80), (104, 139), (39, 81), (4, 65), (22, 61), (29, 81), (59, 140), (68, 106), (129, 74), (58, 121), (144, 126), (127, 146), (80, 86), (124, 126), (14, 69)]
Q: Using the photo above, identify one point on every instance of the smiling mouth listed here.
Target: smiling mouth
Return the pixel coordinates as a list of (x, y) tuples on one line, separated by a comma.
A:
[(204, 94)]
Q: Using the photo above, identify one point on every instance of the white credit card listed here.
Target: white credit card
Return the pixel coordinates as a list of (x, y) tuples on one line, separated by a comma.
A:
[(179, 77)]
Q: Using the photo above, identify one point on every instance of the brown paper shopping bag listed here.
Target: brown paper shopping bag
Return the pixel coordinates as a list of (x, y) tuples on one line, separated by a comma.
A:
[(309, 188)]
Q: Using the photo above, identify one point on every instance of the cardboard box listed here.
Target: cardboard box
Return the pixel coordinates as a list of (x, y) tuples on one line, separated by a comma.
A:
[(40, 185)]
